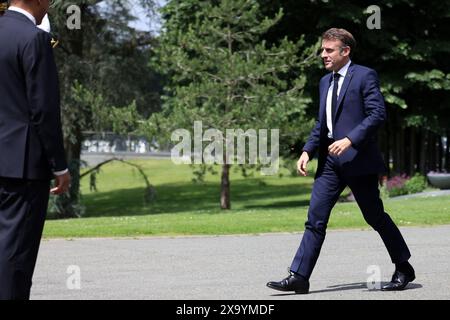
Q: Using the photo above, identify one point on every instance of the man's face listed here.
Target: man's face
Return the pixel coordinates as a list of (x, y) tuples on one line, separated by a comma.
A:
[(334, 54)]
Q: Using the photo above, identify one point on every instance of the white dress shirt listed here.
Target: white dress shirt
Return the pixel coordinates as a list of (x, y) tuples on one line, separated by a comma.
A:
[(33, 19), (45, 24), (343, 73)]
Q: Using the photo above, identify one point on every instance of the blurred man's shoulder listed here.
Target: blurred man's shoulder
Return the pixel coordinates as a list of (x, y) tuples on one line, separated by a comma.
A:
[(362, 69)]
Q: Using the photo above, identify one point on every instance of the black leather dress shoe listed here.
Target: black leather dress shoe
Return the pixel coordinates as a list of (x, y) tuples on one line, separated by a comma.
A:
[(291, 283), (399, 281)]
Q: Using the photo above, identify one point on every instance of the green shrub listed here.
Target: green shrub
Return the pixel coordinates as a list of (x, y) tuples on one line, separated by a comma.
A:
[(402, 184), (416, 184)]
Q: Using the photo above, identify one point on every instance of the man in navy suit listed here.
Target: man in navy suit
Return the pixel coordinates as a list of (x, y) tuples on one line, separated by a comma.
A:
[(31, 142), (350, 113)]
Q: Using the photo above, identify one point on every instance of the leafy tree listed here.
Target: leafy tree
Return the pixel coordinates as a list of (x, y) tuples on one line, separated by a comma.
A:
[(221, 71), (102, 65)]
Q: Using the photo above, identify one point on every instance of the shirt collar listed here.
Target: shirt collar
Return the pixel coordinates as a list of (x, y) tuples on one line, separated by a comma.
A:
[(24, 12), (344, 69)]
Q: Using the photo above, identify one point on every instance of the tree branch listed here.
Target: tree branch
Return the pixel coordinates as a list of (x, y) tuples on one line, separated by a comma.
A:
[(150, 190)]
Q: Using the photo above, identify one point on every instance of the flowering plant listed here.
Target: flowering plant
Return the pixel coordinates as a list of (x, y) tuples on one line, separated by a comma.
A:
[(403, 184)]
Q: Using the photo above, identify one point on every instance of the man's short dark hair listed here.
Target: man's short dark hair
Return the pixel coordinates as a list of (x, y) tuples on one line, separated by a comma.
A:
[(343, 35)]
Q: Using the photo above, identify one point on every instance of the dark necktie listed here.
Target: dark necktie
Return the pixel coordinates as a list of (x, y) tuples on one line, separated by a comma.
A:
[(334, 96)]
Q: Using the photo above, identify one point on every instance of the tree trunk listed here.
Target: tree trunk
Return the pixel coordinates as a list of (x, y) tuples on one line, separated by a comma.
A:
[(68, 204), (440, 153), (394, 152), (401, 149), (413, 151), (447, 152), (406, 143), (432, 152), (423, 151), (398, 152), (225, 202)]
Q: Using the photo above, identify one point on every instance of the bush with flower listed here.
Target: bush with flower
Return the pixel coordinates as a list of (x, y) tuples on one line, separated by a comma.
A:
[(403, 184)]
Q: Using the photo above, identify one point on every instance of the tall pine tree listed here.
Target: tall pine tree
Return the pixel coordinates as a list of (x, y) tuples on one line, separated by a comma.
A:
[(221, 71)]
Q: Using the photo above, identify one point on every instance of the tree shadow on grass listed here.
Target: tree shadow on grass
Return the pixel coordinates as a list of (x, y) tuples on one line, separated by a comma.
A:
[(280, 204), (174, 198)]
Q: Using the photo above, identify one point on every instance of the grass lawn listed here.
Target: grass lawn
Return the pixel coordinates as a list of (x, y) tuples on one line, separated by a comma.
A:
[(259, 204)]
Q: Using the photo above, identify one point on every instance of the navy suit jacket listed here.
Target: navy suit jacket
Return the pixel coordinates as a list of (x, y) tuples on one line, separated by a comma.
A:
[(360, 112), (31, 140)]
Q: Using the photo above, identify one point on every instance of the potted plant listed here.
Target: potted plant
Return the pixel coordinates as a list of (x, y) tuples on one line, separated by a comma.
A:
[(439, 180)]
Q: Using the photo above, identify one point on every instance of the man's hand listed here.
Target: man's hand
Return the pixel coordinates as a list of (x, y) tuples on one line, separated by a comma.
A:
[(339, 147), (302, 163), (62, 183)]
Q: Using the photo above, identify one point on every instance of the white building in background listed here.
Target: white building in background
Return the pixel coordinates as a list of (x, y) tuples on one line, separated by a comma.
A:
[(113, 143)]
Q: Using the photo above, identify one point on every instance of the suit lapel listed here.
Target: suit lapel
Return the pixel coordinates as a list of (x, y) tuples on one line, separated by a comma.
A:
[(323, 98), (345, 84)]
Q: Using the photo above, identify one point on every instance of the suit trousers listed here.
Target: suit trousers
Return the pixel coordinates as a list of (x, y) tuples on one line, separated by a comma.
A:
[(326, 190), (23, 207)]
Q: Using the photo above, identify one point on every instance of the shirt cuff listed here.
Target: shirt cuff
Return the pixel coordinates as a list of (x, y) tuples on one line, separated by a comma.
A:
[(60, 173)]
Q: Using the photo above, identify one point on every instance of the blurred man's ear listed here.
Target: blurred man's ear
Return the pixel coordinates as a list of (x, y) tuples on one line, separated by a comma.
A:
[(344, 51)]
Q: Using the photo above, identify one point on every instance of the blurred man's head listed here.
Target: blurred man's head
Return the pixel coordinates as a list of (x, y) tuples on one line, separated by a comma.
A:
[(38, 8), (337, 48), (3, 6)]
